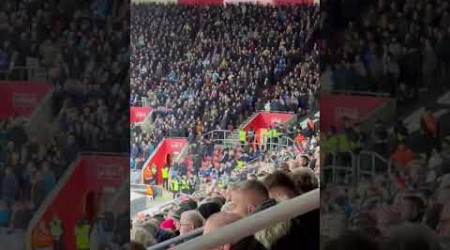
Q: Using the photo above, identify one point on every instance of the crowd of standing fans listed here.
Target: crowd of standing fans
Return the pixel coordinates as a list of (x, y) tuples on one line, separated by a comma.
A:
[(217, 207), (395, 47), (84, 50), (230, 183), (203, 68)]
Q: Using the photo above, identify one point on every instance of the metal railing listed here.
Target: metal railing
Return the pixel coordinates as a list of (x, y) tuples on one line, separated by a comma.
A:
[(254, 223), (181, 238), (348, 167)]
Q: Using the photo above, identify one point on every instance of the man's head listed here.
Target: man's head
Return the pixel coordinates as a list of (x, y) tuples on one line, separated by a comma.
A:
[(190, 220), (412, 208), (219, 220), (248, 196), (280, 186)]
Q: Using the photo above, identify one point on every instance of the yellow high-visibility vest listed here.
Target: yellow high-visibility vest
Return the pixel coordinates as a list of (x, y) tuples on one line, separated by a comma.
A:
[(242, 135), (165, 173), (82, 236), (175, 186), (240, 164)]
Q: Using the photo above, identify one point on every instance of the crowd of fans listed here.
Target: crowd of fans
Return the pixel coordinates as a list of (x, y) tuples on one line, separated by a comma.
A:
[(395, 47), (207, 68), (218, 207), (214, 175), (83, 47), (392, 47), (412, 187)]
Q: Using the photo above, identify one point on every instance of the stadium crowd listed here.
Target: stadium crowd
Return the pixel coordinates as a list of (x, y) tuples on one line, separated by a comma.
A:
[(208, 68), (225, 179), (396, 47), (236, 200), (84, 51)]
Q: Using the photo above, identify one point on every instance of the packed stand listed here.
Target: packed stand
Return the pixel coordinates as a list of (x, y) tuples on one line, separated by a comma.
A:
[(211, 163), (393, 47), (208, 68), (220, 206), (143, 144), (85, 52), (230, 179), (408, 193)]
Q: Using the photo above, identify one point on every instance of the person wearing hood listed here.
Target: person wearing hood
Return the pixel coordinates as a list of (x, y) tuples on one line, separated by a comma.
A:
[(224, 218)]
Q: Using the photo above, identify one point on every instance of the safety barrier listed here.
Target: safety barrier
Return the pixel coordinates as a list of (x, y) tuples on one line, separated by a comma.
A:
[(254, 223), (348, 167)]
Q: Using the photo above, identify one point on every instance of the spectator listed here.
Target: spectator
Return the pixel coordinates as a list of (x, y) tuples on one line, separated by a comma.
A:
[(280, 186), (209, 208), (190, 220), (248, 196), (222, 219)]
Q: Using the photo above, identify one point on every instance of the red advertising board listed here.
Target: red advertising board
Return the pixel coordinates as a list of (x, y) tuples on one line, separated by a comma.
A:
[(334, 108), (168, 147), (20, 98), (266, 119), (139, 114), (78, 195)]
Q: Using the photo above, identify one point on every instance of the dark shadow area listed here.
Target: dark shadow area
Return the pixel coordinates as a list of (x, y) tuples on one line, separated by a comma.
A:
[(64, 123), (387, 167)]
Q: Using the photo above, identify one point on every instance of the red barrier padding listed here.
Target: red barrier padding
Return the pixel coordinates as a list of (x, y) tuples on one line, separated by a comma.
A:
[(266, 119), (20, 99), (164, 153), (79, 196), (333, 108), (139, 114)]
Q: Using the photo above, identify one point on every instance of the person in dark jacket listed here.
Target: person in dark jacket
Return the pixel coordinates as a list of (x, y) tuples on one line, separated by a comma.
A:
[(286, 234)]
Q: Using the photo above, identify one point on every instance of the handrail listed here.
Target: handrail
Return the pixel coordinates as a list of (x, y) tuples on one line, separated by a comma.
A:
[(179, 238), (254, 223)]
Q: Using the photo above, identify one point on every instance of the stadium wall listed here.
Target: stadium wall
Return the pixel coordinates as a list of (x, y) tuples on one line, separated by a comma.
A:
[(334, 108), (168, 147), (87, 179)]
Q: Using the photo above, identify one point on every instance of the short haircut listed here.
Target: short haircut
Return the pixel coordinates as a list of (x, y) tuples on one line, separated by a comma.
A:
[(209, 208), (219, 220), (254, 187), (280, 179), (195, 217), (304, 179), (189, 204), (142, 236)]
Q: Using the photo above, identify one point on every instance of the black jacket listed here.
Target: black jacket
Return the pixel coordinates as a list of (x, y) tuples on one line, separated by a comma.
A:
[(249, 243), (297, 233)]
